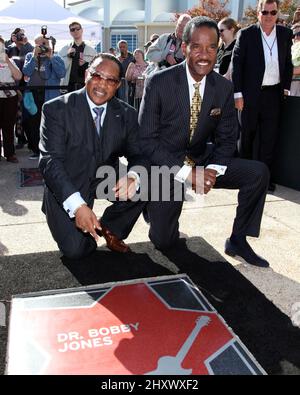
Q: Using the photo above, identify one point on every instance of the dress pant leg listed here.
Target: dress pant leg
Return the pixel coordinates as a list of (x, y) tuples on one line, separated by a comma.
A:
[(71, 241), (164, 209), (269, 124), (164, 223), (249, 125), (252, 179), (121, 217)]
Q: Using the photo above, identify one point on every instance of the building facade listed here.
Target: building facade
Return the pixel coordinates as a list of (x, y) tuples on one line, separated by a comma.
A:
[(136, 20)]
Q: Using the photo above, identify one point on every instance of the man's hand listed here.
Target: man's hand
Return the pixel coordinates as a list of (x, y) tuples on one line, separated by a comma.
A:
[(202, 180), (71, 52), (81, 60), (37, 51), (125, 188), (171, 60), (239, 103), (86, 220), (50, 53)]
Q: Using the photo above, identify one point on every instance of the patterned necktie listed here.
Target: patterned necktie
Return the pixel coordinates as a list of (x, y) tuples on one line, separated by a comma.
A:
[(195, 109), (98, 111)]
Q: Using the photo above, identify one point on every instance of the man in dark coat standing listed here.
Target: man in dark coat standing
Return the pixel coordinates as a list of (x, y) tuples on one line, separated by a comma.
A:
[(262, 73)]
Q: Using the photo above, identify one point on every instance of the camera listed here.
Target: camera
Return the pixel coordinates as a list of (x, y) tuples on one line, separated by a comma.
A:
[(20, 36), (43, 49)]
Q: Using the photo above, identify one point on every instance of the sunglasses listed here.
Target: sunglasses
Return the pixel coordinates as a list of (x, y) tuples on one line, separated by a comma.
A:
[(74, 29), (100, 77), (296, 34), (273, 12), (222, 30)]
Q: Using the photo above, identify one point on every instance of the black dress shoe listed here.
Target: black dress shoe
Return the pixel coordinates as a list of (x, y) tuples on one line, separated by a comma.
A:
[(271, 187), (244, 251)]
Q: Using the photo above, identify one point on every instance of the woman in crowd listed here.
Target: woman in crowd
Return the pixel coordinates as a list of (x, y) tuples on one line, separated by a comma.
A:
[(295, 86), (9, 74), (228, 28), (135, 75)]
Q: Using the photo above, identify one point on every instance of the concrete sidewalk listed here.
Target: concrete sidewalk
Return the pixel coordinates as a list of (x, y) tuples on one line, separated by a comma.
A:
[(23, 230)]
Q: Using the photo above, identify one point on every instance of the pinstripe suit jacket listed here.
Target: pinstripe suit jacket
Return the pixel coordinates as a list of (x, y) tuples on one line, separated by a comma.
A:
[(69, 149), (165, 118)]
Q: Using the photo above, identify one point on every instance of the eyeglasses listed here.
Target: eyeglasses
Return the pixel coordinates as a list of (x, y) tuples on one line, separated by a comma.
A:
[(273, 12), (74, 29), (100, 77), (222, 30), (296, 34)]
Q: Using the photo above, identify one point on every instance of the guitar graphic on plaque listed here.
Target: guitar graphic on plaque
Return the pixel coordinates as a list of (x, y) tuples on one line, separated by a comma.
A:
[(172, 365)]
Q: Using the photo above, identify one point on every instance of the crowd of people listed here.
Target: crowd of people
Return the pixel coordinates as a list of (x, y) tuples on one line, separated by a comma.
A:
[(165, 107)]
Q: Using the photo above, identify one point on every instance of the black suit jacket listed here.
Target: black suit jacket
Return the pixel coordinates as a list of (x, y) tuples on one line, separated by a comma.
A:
[(249, 62), (165, 120), (70, 151)]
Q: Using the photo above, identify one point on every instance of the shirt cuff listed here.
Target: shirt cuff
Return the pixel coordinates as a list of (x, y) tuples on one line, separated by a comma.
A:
[(72, 203), (183, 173), (238, 95), (136, 177), (219, 169)]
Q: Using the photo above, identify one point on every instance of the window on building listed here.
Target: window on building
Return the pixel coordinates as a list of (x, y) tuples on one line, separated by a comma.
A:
[(130, 37)]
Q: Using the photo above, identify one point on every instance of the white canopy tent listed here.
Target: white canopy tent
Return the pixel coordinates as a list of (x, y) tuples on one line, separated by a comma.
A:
[(32, 14)]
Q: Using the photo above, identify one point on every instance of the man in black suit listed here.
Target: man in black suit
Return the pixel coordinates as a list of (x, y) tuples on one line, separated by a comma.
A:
[(80, 133), (171, 135), (261, 75)]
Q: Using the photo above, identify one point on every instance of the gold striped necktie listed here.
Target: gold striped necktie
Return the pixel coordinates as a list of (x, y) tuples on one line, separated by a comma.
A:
[(195, 109)]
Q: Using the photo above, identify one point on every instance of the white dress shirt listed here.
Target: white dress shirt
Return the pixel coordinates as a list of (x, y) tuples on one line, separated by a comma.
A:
[(271, 75)]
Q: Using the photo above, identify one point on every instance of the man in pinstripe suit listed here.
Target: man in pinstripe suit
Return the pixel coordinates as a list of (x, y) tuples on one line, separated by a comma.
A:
[(82, 132), (165, 138)]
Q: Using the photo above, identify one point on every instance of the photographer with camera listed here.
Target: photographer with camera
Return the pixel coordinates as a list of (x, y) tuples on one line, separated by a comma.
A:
[(166, 50), (42, 69), (76, 56), (19, 47)]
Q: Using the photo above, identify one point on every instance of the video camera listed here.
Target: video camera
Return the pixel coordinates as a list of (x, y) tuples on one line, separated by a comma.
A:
[(44, 49)]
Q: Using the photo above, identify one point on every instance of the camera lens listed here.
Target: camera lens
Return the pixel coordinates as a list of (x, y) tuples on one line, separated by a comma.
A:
[(19, 36)]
